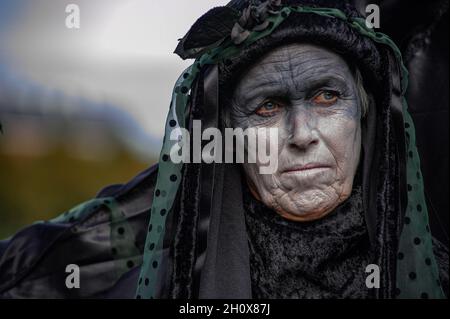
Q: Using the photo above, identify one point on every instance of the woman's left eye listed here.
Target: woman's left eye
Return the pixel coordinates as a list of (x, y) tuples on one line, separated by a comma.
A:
[(326, 98)]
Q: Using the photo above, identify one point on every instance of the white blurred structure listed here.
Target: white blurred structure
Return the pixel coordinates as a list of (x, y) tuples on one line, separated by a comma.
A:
[(121, 54)]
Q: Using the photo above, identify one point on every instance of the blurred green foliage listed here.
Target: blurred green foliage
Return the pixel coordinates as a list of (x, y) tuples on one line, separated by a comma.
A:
[(40, 188)]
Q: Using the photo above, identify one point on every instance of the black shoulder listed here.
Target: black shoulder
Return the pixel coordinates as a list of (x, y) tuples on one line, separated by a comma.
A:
[(104, 237)]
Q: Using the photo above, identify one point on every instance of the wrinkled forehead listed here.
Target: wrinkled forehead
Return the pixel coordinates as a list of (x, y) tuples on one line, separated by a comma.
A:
[(297, 63)]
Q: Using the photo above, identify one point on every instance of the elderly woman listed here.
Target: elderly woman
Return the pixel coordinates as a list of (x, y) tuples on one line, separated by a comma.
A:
[(341, 216)]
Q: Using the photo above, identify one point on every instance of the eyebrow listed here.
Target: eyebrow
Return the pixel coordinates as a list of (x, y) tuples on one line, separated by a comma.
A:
[(267, 89), (332, 81)]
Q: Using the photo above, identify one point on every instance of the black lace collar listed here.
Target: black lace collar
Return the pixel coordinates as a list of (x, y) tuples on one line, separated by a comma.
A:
[(320, 259)]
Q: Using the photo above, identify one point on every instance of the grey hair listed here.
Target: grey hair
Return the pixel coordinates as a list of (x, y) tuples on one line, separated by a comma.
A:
[(364, 98)]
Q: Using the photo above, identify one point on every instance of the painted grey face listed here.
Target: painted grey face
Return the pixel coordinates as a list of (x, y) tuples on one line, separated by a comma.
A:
[(309, 94)]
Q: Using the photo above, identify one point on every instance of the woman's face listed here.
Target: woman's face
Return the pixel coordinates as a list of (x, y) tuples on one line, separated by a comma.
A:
[(309, 94)]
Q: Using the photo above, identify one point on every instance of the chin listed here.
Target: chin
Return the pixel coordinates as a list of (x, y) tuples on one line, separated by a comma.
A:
[(305, 217), (304, 208)]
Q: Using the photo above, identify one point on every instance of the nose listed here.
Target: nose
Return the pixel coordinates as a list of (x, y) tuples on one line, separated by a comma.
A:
[(302, 130)]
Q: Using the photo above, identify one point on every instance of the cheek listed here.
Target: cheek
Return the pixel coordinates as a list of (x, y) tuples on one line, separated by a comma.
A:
[(263, 184), (262, 171), (343, 139)]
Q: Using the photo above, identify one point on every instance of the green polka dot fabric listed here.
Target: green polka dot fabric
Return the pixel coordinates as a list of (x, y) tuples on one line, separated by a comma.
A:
[(169, 173), (417, 274), (122, 238), (168, 180), (417, 271)]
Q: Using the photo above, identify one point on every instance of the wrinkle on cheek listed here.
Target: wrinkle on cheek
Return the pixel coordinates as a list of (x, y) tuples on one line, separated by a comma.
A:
[(346, 167), (351, 110), (237, 111)]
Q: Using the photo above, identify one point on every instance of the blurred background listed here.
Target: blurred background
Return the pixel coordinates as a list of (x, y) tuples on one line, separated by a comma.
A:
[(82, 108)]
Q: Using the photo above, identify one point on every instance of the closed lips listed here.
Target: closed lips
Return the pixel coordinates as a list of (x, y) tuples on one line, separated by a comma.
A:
[(305, 167)]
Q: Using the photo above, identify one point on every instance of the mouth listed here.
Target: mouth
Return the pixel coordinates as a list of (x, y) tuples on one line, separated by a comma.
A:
[(306, 168)]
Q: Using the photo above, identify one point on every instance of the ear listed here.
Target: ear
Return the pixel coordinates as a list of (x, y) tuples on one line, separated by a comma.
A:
[(208, 31)]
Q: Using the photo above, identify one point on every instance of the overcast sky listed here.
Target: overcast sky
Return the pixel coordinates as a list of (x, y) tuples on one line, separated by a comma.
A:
[(121, 54)]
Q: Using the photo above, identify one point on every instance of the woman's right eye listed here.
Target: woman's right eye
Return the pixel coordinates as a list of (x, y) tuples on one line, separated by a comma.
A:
[(268, 108)]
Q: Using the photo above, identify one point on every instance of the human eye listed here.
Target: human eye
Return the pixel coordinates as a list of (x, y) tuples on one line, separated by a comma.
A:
[(268, 108), (326, 97)]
